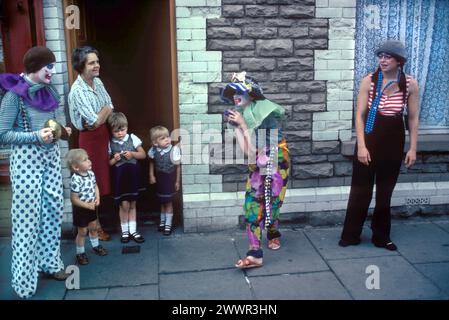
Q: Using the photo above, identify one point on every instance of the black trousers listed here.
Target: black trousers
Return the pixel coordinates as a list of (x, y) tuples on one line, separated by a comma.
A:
[(386, 147)]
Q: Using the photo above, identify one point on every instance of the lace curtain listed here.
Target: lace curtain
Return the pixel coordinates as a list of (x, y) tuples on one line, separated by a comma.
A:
[(423, 25)]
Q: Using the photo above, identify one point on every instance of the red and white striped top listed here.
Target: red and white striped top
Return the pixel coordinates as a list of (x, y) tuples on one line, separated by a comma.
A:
[(392, 104)]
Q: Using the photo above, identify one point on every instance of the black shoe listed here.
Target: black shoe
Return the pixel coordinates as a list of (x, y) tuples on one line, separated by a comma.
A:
[(125, 237), (138, 237), (346, 243), (161, 228), (389, 245), (167, 230)]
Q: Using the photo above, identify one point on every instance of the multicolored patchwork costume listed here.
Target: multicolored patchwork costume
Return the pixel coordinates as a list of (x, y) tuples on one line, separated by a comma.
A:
[(267, 182), (256, 203)]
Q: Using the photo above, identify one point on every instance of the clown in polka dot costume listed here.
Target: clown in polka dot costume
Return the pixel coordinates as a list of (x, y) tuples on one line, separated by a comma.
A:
[(28, 101)]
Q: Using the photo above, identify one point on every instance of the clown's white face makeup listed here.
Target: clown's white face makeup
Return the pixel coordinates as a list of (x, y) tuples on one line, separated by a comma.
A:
[(242, 100), (44, 75)]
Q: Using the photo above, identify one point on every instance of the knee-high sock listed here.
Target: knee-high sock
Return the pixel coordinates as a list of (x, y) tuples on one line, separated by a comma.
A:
[(168, 219), (125, 227), (132, 227), (163, 218)]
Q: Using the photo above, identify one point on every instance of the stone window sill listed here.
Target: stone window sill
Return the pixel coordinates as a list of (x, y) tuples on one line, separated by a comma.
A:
[(426, 143)]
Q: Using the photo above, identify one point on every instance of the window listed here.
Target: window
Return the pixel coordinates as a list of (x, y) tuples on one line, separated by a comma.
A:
[(423, 25)]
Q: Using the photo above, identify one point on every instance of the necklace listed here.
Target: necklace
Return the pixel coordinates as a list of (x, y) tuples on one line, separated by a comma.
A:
[(375, 104)]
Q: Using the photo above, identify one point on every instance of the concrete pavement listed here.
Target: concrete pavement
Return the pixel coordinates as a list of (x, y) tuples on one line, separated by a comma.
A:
[(310, 266)]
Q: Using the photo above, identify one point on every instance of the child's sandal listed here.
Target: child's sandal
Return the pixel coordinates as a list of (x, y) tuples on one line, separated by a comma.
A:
[(125, 237), (138, 237), (167, 230), (274, 244)]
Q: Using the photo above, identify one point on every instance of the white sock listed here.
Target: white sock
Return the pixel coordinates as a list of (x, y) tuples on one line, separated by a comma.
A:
[(124, 227), (168, 219), (94, 242), (163, 215), (132, 227), (79, 250)]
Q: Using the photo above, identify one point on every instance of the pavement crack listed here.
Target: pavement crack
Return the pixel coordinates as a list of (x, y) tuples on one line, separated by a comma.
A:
[(287, 274), (328, 265), (244, 272), (439, 226), (195, 271), (360, 258)]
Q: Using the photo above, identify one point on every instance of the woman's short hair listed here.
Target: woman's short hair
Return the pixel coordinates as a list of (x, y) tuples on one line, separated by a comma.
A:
[(79, 57), (117, 120), (157, 132), (74, 157)]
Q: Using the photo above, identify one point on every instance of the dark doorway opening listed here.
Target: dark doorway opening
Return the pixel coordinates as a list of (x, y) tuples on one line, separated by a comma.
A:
[(136, 44), (22, 27)]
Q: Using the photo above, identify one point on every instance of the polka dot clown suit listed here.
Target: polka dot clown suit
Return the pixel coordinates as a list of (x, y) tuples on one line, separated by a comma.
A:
[(35, 171)]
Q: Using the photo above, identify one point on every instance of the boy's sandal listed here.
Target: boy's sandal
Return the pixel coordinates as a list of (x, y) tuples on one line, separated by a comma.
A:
[(138, 237), (82, 259), (274, 244), (100, 250), (125, 237), (249, 262)]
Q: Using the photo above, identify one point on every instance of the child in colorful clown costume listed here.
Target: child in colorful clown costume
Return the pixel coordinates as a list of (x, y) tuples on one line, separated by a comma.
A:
[(259, 136)]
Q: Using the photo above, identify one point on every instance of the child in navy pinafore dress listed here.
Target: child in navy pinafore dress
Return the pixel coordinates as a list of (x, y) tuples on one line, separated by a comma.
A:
[(124, 151), (165, 173)]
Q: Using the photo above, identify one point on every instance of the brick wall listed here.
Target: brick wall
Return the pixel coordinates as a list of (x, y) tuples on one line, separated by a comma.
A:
[(277, 43), (302, 53), (55, 41), (336, 65), (196, 67)]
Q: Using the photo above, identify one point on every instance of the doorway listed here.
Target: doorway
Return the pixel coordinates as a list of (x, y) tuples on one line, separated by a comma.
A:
[(137, 46)]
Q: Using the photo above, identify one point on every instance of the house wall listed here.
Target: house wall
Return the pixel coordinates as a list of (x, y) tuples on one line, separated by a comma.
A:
[(302, 52), (54, 22)]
